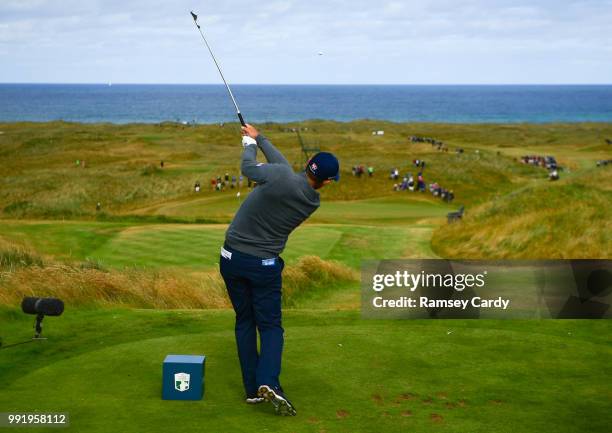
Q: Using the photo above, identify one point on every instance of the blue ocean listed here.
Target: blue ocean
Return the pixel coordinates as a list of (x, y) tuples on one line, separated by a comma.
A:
[(126, 103)]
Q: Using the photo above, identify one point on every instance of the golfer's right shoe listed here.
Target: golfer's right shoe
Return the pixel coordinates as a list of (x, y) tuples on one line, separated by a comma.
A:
[(282, 406)]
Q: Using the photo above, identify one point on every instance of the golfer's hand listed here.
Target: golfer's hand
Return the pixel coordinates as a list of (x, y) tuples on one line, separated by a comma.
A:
[(250, 131)]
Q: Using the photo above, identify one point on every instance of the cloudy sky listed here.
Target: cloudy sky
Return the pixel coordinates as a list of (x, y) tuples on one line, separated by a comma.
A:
[(363, 41)]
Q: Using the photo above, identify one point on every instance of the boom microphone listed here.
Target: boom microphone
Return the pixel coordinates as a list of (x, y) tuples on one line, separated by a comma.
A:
[(40, 307), (44, 306)]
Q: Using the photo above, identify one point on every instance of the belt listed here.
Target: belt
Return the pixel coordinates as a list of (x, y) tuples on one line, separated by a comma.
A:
[(226, 254)]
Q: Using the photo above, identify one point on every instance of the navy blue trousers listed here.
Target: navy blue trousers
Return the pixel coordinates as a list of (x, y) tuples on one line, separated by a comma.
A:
[(254, 287)]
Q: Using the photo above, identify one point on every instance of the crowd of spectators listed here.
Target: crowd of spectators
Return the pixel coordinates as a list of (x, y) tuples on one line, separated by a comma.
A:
[(411, 183), (360, 170)]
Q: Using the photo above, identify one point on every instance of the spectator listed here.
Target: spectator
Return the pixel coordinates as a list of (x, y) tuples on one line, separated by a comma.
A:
[(394, 174), (410, 182), (433, 188), (420, 182), (553, 175)]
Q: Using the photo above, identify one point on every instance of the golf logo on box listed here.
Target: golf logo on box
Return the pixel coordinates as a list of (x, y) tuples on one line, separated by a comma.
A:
[(181, 381)]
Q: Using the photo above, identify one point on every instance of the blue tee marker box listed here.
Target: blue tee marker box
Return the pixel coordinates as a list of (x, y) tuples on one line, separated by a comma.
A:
[(183, 377)]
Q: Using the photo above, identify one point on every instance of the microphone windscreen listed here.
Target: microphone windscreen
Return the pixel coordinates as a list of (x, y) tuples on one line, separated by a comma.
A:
[(28, 305), (50, 306), (46, 306)]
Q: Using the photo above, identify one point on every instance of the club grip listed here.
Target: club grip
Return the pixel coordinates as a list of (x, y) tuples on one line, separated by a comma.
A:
[(242, 122)]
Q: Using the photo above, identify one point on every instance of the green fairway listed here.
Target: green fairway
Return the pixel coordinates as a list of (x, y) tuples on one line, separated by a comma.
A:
[(61, 239), (343, 374), (367, 229), (197, 246)]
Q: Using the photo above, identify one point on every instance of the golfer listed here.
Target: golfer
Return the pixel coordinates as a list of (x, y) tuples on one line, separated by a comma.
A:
[(250, 262)]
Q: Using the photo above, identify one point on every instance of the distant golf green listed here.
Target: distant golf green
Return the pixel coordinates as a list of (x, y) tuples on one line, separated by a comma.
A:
[(397, 210)]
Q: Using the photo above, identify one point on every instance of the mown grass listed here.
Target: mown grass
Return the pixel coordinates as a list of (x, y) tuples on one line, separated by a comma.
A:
[(196, 247), (378, 376)]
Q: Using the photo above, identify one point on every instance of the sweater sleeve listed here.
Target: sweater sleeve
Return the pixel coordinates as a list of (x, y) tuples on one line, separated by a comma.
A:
[(273, 155), (258, 171)]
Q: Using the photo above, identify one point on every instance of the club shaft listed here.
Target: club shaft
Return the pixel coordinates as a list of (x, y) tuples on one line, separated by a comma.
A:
[(229, 90)]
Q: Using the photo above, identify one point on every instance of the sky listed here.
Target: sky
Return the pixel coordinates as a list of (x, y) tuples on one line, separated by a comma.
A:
[(277, 42)]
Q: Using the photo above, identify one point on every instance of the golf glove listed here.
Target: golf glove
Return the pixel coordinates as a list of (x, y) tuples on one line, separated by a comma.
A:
[(247, 141)]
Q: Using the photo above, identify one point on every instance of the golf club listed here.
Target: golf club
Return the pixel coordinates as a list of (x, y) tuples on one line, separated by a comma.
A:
[(195, 20)]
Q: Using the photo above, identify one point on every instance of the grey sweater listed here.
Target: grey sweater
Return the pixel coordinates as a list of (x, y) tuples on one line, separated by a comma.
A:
[(281, 201)]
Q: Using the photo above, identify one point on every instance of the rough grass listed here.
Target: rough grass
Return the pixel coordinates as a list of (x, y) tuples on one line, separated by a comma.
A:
[(40, 179), (130, 288), (16, 256), (312, 274), (569, 219), (23, 273)]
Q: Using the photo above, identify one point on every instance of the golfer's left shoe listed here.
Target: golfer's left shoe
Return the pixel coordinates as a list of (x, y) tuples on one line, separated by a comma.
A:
[(254, 399), (282, 405)]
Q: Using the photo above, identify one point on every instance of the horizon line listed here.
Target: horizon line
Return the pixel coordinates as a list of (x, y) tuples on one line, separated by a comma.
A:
[(107, 83)]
